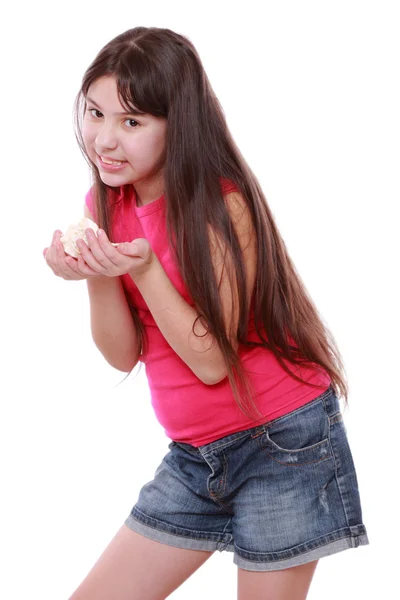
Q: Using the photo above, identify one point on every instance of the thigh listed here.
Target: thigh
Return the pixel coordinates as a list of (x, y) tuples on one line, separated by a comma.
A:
[(286, 584), (134, 567)]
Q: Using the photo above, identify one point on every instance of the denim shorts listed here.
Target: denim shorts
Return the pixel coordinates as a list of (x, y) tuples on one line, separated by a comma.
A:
[(277, 495)]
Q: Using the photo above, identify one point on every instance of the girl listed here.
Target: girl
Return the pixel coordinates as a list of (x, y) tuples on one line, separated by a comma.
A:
[(244, 376)]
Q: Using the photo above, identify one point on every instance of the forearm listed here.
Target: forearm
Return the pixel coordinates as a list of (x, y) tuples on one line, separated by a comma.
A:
[(175, 318), (112, 325)]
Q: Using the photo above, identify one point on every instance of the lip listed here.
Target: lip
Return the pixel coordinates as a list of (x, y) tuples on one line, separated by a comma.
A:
[(111, 168), (109, 157)]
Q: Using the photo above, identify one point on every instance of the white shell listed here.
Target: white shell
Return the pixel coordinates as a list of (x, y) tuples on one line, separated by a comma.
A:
[(68, 239)]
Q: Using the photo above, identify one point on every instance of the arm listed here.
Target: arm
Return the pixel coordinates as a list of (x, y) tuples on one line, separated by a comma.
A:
[(175, 317), (112, 326)]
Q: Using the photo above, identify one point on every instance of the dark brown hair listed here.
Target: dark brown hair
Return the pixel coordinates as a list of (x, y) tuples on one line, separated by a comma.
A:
[(160, 72)]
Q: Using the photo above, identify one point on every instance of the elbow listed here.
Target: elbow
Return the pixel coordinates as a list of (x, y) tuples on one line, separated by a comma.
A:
[(216, 375), (128, 365), (125, 369), (124, 360), (125, 366), (219, 374), (213, 379)]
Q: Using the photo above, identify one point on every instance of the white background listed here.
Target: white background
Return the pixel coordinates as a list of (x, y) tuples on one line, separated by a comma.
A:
[(311, 94)]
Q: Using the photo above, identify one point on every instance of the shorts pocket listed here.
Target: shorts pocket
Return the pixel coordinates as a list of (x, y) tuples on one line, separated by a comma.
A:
[(299, 437)]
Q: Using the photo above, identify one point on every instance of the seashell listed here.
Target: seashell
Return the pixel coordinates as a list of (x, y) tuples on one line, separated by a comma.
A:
[(74, 232)]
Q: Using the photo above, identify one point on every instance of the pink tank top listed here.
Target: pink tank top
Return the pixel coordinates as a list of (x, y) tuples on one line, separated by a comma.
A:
[(189, 410)]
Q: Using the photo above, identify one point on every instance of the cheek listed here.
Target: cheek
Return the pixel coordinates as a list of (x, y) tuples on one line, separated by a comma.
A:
[(88, 131), (85, 135), (88, 137)]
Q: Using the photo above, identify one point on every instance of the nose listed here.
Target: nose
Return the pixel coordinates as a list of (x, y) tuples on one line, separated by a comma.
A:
[(106, 139)]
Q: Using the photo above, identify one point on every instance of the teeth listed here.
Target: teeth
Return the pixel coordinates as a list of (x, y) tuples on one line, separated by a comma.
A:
[(111, 162)]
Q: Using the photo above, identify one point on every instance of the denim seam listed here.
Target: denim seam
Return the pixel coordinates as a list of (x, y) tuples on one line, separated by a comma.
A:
[(335, 418), (325, 543), (232, 441), (300, 409), (227, 523), (285, 464), (263, 426), (190, 537), (216, 496), (215, 499), (324, 442), (225, 473), (327, 439), (335, 462)]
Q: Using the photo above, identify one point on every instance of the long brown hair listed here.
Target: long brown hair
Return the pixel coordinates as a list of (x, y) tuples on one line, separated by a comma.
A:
[(160, 72)]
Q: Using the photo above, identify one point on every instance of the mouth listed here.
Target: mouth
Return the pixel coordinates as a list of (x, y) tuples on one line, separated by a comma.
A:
[(109, 161), (106, 167)]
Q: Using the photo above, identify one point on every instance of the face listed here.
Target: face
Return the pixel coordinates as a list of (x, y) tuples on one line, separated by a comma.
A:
[(138, 140)]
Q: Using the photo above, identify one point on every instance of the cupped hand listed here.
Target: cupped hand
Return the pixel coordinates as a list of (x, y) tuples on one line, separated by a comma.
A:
[(62, 264), (100, 257)]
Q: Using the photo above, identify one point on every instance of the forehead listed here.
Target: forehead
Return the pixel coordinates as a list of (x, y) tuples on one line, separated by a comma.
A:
[(131, 111), (103, 94)]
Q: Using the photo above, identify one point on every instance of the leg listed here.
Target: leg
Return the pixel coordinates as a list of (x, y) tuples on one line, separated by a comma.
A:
[(286, 584), (133, 567)]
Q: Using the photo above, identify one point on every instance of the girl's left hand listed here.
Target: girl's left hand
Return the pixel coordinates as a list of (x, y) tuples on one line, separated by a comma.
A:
[(133, 258)]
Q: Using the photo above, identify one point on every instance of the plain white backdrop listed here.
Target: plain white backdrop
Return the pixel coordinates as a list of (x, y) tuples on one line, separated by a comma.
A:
[(311, 94)]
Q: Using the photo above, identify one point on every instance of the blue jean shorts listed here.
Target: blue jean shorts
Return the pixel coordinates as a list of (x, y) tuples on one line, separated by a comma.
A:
[(277, 495)]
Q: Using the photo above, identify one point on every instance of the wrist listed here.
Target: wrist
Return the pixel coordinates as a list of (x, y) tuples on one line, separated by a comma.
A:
[(98, 280), (150, 266)]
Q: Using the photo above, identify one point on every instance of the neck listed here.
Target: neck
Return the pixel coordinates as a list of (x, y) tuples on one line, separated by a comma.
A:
[(148, 191)]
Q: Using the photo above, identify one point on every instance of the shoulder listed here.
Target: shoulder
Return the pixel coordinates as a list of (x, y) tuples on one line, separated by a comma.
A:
[(240, 215), (232, 195), (227, 186)]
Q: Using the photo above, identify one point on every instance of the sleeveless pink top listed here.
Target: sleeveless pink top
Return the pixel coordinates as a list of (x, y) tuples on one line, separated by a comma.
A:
[(189, 410)]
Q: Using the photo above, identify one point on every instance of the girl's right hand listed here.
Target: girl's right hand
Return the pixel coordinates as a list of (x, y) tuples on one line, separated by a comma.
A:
[(65, 266)]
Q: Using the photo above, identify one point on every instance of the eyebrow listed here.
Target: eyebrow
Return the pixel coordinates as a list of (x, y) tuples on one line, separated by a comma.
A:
[(132, 112)]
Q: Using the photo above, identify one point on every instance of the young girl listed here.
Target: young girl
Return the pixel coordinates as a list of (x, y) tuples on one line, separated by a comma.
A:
[(244, 376)]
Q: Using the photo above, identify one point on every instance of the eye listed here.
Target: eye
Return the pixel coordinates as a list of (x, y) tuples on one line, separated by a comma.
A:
[(132, 120), (91, 109), (97, 111)]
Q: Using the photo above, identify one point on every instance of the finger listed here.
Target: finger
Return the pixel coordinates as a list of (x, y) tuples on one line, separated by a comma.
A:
[(49, 256), (59, 255), (102, 249), (72, 265), (74, 268), (131, 249), (70, 270), (64, 266), (55, 247), (56, 234), (84, 269), (90, 259)]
